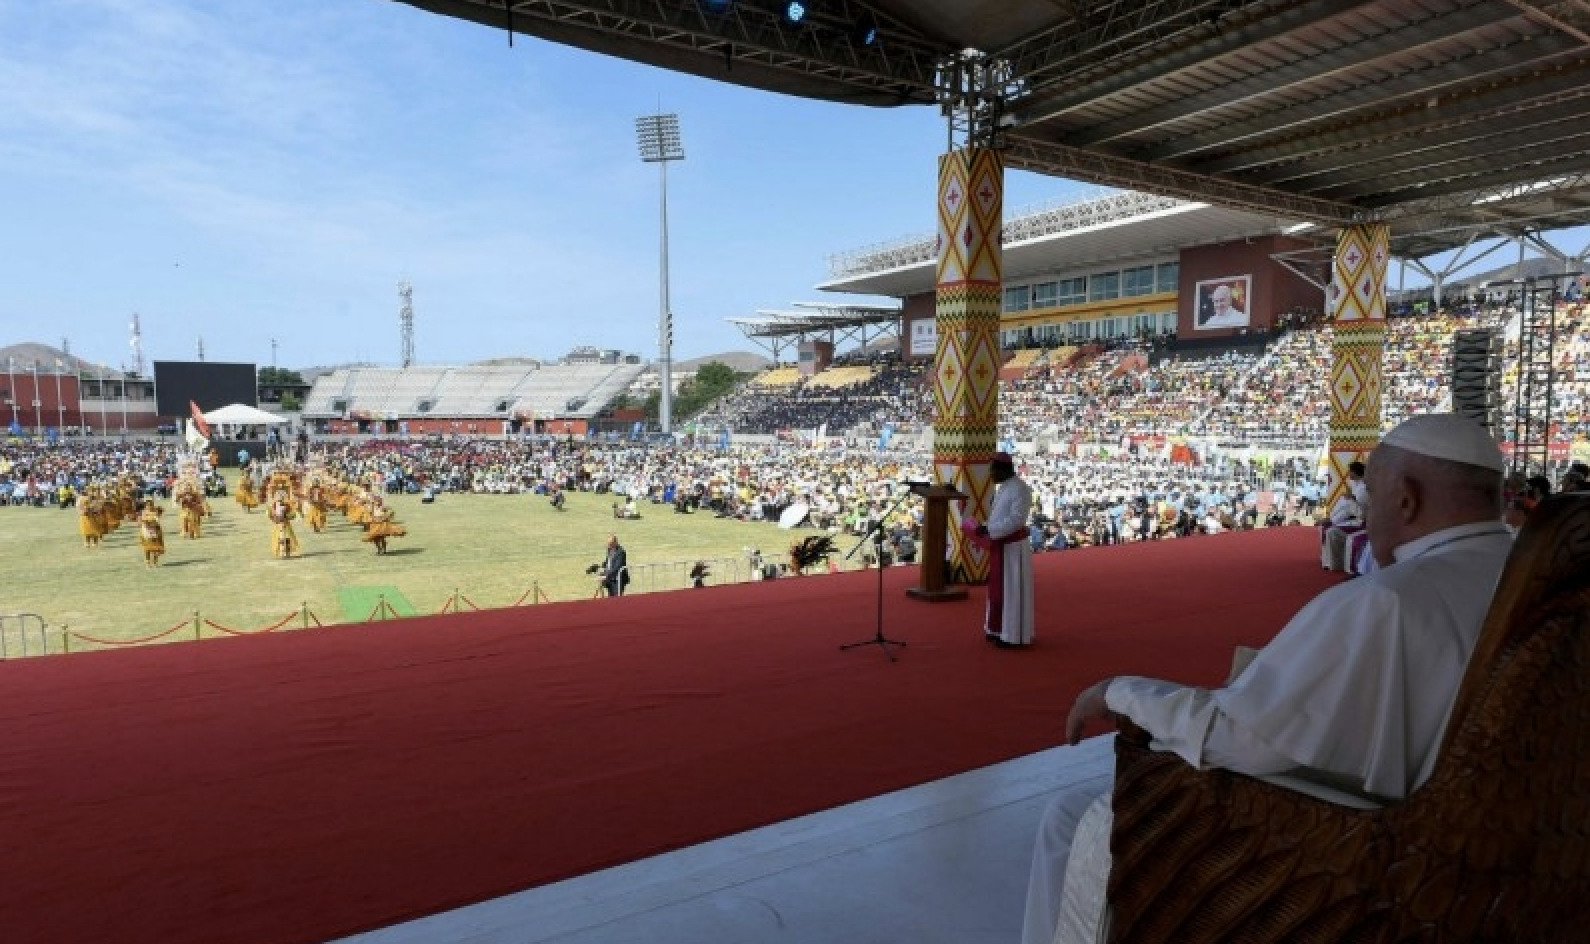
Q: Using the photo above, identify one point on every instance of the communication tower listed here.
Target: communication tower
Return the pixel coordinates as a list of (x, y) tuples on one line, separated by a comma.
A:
[(406, 320), (136, 342)]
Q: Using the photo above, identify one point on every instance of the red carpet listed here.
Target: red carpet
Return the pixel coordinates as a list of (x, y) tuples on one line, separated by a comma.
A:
[(297, 787)]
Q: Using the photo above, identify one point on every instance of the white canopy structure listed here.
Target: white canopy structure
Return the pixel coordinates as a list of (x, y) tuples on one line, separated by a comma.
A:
[(241, 414)]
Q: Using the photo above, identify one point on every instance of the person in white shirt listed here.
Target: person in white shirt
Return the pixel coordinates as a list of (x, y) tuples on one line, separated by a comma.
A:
[(1354, 692), (1346, 519), (1008, 617)]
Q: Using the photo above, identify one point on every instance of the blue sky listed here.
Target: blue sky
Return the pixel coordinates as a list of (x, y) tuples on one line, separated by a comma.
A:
[(261, 169)]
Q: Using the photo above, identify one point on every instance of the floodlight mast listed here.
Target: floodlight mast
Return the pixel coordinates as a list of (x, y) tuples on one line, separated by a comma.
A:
[(658, 136)]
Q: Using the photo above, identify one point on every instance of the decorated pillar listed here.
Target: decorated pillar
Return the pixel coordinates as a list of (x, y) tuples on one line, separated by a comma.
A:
[(966, 364), (1358, 312)]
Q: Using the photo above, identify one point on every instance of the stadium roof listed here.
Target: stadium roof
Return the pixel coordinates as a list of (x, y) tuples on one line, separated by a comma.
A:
[(1441, 116), (816, 318), (773, 330), (1115, 228)]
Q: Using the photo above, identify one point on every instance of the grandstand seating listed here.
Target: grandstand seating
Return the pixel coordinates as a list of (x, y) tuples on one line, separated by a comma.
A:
[(561, 390), (835, 378), (1025, 358), (777, 377)]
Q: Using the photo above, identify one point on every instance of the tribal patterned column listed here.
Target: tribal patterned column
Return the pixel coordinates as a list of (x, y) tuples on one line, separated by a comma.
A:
[(1358, 305), (966, 365)]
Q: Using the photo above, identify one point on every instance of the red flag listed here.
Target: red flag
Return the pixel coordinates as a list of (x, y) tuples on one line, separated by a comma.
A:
[(198, 420)]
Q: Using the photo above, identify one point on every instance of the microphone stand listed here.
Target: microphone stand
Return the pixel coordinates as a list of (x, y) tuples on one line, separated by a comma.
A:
[(876, 534)]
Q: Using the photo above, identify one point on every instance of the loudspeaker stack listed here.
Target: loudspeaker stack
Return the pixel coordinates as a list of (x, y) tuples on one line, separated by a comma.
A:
[(1477, 377)]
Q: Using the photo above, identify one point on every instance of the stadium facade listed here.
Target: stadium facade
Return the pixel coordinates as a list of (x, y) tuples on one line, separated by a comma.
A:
[(1114, 266)]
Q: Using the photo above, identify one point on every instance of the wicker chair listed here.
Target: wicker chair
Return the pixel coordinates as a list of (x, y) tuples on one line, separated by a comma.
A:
[(1494, 847)]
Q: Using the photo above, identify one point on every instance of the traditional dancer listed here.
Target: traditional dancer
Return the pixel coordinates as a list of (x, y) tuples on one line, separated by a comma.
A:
[(89, 523), (315, 504), (190, 504), (381, 525), (151, 536), (245, 490), (284, 543)]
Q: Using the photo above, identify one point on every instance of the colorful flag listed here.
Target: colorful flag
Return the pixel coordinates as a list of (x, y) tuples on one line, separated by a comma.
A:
[(198, 420)]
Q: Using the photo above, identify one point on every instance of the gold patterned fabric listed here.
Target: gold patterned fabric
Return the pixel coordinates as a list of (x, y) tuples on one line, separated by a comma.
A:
[(1358, 312), (967, 359)]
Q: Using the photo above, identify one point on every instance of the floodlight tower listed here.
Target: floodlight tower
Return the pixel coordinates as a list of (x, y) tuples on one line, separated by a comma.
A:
[(659, 140), (406, 320)]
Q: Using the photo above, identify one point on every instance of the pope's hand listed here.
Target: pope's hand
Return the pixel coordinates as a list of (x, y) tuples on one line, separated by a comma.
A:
[(1089, 706)]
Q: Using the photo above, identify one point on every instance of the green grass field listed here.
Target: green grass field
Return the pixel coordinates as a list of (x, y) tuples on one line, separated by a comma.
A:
[(491, 549)]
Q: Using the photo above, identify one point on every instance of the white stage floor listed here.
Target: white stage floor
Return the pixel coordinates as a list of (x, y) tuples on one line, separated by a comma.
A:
[(942, 863)]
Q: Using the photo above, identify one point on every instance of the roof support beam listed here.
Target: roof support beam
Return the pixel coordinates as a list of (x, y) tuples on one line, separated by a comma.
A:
[(1547, 249), (1509, 164), (708, 39), (1048, 158), (1105, 32), (1537, 126), (1458, 262), (1037, 106), (1571, 18), (1412, 124), (1565, 173), (1462, 70), (1406, 36), (1523, 152)]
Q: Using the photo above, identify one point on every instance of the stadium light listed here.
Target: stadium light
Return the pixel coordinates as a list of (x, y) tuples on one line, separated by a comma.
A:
[(658, 136), (865, 32), (795, 11)]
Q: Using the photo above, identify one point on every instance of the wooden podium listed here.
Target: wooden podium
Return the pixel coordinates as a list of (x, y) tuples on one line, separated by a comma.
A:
[(934, 541)]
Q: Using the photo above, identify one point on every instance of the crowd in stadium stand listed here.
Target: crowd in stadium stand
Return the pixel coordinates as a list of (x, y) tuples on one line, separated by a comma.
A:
[(1277, 396), (1272, 392), (891, 392)]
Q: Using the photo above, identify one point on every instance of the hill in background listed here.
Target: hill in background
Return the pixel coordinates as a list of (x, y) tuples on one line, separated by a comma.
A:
[(741, 362)]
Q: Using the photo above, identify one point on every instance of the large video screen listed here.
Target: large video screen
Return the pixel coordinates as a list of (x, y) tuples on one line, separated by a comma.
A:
[(206, 383)]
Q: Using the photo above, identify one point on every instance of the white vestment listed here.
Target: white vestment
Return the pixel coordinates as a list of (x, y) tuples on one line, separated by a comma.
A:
[(1011, 508), (1353, 693)]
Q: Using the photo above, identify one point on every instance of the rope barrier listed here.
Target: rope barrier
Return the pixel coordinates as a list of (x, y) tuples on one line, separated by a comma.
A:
[(453, 601), (128, 642), (383, 607), (251, 632), (534, 595), (304, 615)]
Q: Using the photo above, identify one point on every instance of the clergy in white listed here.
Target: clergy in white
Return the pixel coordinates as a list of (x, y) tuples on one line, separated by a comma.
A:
[(1353, 694), (1007, 618)]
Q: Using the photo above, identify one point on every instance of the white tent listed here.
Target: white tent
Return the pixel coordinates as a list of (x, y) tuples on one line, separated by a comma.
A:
[(240, 414)]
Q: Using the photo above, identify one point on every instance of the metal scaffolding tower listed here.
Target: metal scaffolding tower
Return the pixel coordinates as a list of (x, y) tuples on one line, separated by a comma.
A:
[(1533, 405)]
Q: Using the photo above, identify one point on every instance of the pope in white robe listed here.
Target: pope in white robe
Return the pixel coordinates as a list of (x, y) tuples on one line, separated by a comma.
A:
[(1351, 696), (1008, 618)]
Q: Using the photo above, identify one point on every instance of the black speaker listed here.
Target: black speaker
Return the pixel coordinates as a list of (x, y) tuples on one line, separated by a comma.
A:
[(1477, 377)]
